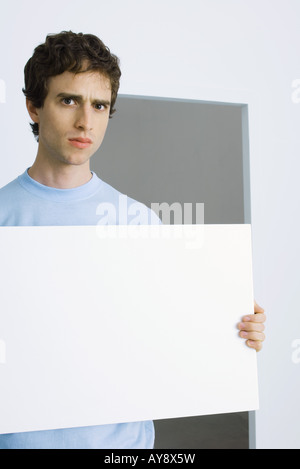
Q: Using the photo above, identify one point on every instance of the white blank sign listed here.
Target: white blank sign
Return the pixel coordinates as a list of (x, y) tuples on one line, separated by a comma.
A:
[(123, 323)]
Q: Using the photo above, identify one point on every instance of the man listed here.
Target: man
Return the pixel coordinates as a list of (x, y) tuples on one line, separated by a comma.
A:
[(71, 86)]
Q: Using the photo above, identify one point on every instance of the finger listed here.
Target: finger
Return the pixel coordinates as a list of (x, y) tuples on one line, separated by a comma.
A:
[(257, 308), (251, 326), (260, 336), (257, 345), (261, 317)]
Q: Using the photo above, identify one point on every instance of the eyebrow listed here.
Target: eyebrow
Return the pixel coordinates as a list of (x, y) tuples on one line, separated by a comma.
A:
[(79, 98)]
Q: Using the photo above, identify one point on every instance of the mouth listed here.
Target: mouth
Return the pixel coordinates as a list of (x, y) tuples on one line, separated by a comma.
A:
[(80, 142)]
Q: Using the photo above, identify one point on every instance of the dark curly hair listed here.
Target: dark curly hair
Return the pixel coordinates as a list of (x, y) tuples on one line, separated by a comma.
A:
[(73, 52)]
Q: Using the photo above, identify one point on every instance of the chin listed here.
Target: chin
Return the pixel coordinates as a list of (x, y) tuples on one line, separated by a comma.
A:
[(76, 160)]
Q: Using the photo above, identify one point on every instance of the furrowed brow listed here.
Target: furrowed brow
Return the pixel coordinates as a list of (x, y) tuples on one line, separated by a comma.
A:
[(80, 99)]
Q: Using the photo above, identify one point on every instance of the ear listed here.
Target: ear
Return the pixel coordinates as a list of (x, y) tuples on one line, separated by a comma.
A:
[(33, 111)]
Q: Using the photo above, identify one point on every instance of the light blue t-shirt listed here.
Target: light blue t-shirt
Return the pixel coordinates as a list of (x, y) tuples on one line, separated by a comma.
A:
[(25, 202)]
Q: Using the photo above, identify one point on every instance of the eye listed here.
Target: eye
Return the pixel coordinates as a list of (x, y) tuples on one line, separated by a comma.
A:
[(100, 107), (68, 101)]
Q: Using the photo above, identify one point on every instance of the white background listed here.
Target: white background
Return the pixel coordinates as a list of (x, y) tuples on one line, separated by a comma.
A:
[(201, 49)]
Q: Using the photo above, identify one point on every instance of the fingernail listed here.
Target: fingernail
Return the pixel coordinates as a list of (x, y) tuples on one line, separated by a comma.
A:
[(246, 318)]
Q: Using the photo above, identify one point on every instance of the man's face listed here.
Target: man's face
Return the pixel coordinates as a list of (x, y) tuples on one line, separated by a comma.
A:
[(74, 117)]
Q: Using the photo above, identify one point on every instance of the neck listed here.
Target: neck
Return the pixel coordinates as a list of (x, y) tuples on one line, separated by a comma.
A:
[(60, 175)]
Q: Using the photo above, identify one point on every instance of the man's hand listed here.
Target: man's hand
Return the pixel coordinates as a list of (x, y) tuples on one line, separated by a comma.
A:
[(252, 327)]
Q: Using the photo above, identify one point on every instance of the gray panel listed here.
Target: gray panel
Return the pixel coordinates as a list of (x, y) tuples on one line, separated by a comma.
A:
[(159, 150), (226, 431)]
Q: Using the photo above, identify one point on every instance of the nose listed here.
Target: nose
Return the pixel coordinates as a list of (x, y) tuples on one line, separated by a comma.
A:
[(84, 119)]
